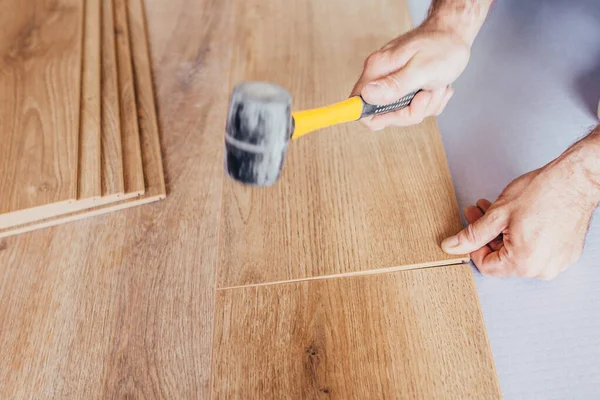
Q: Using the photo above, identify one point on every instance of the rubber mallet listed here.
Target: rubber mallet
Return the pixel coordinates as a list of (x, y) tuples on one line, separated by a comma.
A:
[(260, 124)]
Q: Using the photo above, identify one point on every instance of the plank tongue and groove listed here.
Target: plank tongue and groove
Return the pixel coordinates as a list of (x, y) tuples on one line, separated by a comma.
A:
[(40, 75), (348, 201), (132, 161), (89, 169), (153, 173), (404, 335), (112, 155)]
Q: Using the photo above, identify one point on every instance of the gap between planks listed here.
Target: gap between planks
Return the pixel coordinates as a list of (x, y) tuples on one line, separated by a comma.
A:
[(378, 271)]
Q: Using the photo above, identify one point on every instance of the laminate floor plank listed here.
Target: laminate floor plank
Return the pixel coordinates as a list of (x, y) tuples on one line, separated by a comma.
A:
[(145, 102), (90, 142), (112, 174), (311, 301), (120, 306), (153, 173), (100, 170), (415, 334), (113, 183), (348, 200), (40, 86), (130, 132)]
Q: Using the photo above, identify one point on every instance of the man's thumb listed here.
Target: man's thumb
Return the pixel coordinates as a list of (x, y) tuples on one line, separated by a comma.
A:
[(476, 235), (390, 88)]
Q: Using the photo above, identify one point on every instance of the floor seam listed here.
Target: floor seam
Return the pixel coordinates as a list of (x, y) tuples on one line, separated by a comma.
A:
[(377, 271)]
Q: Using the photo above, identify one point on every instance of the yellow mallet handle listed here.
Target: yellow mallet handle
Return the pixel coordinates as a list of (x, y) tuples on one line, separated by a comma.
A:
[(348, 110)]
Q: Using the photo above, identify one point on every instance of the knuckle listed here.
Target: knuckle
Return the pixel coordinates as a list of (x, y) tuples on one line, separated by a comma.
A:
[(524, 267), (417, 119), (392, 82), (495, 215), (548, 276), (486, 270), (509, 262), (525, 271), (374, 59)]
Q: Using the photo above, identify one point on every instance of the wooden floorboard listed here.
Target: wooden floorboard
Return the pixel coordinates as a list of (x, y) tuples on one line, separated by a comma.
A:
[(40, 73), (348, 200), (90, 166), (145, 101), (410, 335), (112, 152), (132, 162), (311, 301), (152, 173), (100, 167), (120, 306)]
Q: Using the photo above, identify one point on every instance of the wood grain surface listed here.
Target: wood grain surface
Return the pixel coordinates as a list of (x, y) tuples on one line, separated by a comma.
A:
[(408, 335), (150, 149), (112, 154), (130, 133), (145, 102), (40, 73), (348, 199), (99, 167), (113, 190), (99, 142), (120, 306), (90, 168)]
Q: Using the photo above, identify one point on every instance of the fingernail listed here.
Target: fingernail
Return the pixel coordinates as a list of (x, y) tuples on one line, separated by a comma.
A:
[(450, 242)]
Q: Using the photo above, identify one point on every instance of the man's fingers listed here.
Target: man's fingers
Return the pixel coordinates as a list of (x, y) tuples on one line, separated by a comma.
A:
[(477, 234), (393, 86), (478, 256), (379, 65), (447, 96), (437, 97), (424, 104), (410, 115), (484, 205), (492, 263), (472, 214), (548, 275)]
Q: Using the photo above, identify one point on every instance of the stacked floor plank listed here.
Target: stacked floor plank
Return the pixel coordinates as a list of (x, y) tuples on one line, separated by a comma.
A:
[(79, 134)]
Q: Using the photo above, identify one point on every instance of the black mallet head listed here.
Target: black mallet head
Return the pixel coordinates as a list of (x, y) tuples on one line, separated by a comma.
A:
[(259, 127)]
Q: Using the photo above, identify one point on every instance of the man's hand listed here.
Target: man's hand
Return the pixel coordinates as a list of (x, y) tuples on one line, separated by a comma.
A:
[(537, 226), (429, 57)]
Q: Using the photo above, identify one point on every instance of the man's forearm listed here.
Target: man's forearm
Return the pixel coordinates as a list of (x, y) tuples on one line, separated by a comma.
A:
[(586, 153), (580, 166), (464, 17)]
